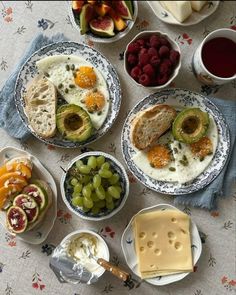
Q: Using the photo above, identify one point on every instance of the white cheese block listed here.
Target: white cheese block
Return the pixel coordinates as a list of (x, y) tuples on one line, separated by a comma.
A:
[(197, 5), (181, 10), (162, 243)]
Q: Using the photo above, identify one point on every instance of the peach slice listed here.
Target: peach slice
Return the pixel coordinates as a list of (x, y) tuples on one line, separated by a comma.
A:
[(7, 192)]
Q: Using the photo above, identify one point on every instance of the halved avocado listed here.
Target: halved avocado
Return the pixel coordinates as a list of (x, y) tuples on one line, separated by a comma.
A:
[(190, 125), (74, 123)]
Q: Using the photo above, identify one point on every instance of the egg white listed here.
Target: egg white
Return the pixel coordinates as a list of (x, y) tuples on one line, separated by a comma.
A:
[(55, 69), (182, 174)]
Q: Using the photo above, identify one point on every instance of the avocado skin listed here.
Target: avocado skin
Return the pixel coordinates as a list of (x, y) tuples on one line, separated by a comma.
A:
[(200, 131), (82, 133)]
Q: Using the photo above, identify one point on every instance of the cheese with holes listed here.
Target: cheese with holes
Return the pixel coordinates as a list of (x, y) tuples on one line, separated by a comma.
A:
[(197, 5), (181, 10), (162, 243)]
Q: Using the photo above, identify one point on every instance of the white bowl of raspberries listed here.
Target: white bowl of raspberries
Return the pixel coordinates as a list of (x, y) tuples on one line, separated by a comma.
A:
[(152, 59)]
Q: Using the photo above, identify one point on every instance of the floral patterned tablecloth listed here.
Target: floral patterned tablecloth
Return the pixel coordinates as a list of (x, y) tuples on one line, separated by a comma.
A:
[(23, 267)]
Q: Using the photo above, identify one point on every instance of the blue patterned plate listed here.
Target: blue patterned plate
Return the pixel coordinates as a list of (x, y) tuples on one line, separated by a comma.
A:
[(29, 71), (179, 98), (128, 247)]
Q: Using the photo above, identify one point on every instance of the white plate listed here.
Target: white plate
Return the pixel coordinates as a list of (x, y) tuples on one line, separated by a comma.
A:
[(40, 233), (178, 98), (128, 247), (195, 18)]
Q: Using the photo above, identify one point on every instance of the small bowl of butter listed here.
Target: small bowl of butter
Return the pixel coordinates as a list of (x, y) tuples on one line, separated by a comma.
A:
[(81, 242)]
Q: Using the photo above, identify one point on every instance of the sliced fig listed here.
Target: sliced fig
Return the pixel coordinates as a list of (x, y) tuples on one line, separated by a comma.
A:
[(86, 15), (16, 219), (102, 26), (29, 205), (37, 194), (124, 9)]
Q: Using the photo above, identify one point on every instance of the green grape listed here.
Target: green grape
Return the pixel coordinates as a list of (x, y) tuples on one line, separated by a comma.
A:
[(101, 204), (96, 181), (100, 192), (84, 169), (94, 197), (105, 166), (110, 205), (85, 179), (95, 210), (74, 181), (118, 188), (105, 173), (88, 203), (78, 188), (90, 185), (92, 162), (79, 163), (100, 161), (112, 190), (85, 209), (86, 191), (77, 201), (75, 194), (108, 197), (114, 179)]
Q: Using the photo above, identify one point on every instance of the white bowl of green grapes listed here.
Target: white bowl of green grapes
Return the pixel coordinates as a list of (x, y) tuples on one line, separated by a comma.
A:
[(95, 186)]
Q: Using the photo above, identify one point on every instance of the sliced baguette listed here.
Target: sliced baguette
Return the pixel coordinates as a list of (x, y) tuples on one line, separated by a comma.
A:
[(41, 101), (150, 124)]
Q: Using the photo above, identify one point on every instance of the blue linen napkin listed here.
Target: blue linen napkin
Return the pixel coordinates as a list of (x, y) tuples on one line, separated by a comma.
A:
[(9, 118), (223, 185)]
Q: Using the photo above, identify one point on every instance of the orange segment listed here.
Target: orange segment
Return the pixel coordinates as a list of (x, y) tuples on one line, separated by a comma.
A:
[(94, 101), (85, 77), (202, 148), (159, 156), (16, 167), (7, 192), (12, 178)]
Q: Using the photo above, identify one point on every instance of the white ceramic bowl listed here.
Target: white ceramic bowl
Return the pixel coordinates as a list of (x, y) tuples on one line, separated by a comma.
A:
[(66, 190), (99, 39), (106, 253), (174, 45)]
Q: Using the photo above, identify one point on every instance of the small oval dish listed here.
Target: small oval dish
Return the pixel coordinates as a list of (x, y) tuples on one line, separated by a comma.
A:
[(74, 187), (40, 232), (156, 61), (102, 39), (128, 247)]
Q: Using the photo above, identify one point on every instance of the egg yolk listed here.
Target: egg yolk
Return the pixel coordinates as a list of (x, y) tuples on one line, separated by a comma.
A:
[(202, 148), (85, 77), (159, 156), (94, 101)]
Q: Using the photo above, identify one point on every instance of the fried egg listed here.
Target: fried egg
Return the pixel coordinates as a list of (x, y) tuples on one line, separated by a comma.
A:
[(78, 82), (171, 161)]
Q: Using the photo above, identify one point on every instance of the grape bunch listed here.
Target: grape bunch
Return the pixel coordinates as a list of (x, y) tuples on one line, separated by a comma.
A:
[(96, 186)]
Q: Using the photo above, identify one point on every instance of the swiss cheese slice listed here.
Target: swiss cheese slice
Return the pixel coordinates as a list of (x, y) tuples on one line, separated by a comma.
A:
[(162, 243)]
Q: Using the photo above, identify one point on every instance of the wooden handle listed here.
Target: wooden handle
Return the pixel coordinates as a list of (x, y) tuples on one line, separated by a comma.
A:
[(116, 271)]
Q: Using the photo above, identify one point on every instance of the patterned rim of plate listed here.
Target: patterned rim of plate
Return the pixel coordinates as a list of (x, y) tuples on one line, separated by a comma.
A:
[(179, 97), (128, 248), (29, 70), (195, 18)]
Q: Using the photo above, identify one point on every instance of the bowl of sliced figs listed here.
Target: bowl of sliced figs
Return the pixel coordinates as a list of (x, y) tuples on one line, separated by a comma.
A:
[(103, 21)]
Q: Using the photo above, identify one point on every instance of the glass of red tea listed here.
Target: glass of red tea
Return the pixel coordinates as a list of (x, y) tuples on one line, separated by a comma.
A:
[(214, 61)]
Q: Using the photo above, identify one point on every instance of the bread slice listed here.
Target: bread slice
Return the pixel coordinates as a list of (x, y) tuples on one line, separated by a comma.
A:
[(40, 108), (150, 124)]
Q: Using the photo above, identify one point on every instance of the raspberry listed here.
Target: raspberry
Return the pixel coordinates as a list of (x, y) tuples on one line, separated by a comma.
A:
[(144, 80), (133, 47), (152, 51), (141, 42), (143, 50), (149, 70), (135, 73), (143, 59), (155, 61), (162, 79), (165, 42), (165, 67), (174, 57), (164, 51), (155, 41), (132, 59)]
